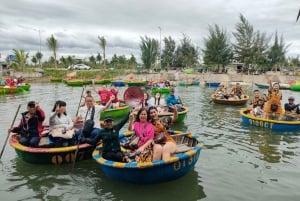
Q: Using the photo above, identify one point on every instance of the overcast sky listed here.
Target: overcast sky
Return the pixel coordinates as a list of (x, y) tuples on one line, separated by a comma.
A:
[(77, 23)]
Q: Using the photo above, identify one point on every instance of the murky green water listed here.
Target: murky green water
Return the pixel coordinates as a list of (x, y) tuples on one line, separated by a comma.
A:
[(237, 163)]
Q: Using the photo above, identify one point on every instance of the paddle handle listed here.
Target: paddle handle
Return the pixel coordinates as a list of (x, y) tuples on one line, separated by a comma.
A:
[(79, 102), (12, 123)]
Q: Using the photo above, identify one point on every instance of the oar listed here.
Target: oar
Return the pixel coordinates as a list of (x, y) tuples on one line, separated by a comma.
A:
[(13, 122), (79, 101), (78, 140)]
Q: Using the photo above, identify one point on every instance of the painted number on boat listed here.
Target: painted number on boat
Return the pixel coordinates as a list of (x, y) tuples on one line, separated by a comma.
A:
[(185, 162), (261, 123)]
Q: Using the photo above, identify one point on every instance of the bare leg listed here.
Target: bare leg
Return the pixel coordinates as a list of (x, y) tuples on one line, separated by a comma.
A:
[(157, 151), (168, 149)]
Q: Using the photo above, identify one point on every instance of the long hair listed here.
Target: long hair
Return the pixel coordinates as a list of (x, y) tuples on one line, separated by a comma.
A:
[(157, 100), (59, 103), (137, 118)]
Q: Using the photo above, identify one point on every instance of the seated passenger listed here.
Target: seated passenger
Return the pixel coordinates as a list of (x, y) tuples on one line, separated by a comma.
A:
[(172, 100), (60, 124), (273, 106), (221, 92), (257, 104), (292, 111), (237, 91), (30, 126), (162, 150), (114, 91)]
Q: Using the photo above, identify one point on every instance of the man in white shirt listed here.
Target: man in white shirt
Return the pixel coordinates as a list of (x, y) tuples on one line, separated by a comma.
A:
[(84, 114)]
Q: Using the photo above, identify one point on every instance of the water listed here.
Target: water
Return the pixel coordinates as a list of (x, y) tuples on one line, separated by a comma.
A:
[(238, 162)]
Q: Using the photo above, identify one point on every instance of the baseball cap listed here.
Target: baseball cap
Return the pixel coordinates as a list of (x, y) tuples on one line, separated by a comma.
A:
[(291, 98), (108, 118)]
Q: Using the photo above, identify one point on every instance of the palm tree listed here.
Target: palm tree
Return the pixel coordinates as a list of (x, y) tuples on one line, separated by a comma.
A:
[(39, 56), (34, 60), (52, 45), (21, 57), (102, 43)]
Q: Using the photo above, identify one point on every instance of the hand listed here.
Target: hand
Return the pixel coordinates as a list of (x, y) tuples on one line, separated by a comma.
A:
[(37, 105)]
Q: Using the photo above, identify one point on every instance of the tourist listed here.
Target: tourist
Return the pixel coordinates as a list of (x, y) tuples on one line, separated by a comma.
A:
[(237, 91), (145, 131), (30, 126), (172, 100), (163, 149), (103, 93), (292, 111), (221, 92), (60, 125), (89, 111), (273, 106), (257, 104), (114, 91)]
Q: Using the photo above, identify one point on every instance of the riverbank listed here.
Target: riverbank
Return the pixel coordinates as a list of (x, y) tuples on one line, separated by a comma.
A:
[(201, 77)]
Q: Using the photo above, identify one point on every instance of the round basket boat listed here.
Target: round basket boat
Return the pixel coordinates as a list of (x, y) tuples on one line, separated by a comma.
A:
[(229, 101), (185, 158), (279, 125), (57, 155)]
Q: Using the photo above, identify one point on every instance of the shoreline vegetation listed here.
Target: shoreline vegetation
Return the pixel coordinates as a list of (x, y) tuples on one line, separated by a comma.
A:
[(36, 77)]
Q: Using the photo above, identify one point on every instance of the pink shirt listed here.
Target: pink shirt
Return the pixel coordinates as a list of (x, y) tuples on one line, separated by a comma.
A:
[(144, 130)]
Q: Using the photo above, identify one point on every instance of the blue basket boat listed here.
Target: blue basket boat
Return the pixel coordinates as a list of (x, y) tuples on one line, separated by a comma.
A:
[(158, 171)]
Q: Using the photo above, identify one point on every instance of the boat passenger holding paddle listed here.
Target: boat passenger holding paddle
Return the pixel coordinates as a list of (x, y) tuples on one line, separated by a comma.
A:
[(30, 126), (92, 112), (292, 111), (273, 106), (60, 125), (164, 145)]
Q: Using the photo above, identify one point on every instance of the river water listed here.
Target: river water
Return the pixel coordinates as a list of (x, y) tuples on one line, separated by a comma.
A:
[(238, 162)]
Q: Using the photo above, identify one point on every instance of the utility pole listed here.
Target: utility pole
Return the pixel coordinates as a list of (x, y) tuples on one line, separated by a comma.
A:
[(159, 47)]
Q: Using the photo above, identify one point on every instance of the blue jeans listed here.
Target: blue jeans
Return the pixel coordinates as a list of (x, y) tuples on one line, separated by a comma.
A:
[(93, 134), (30, 141)]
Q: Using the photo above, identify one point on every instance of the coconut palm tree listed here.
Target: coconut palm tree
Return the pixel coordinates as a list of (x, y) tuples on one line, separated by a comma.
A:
[(102, 44), (53, 45), (39, 56), (21, 57)]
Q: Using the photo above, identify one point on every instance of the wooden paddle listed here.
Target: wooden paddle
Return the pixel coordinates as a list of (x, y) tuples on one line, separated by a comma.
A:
[(78, 140), (80, 101), (8, 134)]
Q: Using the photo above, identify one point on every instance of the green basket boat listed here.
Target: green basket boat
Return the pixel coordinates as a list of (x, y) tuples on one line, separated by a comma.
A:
[(77, 83), (56, 155), (161, 90), (104, 81), (25, 86), (56, 79), (10, 90), (116, 113), (137, 83), (181, 115), (295, 87)]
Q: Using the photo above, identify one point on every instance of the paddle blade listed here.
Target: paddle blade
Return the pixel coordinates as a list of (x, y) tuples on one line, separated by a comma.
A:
[(133, 96)]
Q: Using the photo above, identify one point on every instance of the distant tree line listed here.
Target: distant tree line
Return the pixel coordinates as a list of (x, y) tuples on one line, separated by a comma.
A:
[(250, 47)]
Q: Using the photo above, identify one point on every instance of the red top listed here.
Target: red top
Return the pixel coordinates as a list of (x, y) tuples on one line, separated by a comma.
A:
[(104, 96), (115, 93)]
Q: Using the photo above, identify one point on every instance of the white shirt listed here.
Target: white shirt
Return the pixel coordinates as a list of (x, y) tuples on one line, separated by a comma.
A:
[(62, 121), (98, 109)]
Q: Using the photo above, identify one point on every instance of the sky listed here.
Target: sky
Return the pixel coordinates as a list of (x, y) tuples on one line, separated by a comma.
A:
[(76, 24)]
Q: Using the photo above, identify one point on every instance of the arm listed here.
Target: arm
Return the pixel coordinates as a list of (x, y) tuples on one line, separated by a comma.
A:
[(121, 124), (130, 125), (40, 113), (108, 103), (175, 114)]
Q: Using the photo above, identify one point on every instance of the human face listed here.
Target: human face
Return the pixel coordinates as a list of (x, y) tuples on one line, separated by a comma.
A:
[(89, 102), (157, 95), (276, 86), (256, 94), (143, 116), (108, 124), (291, 101), (153, 114)]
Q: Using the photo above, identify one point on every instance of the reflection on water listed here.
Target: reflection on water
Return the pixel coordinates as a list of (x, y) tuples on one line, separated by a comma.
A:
[(235, 156)]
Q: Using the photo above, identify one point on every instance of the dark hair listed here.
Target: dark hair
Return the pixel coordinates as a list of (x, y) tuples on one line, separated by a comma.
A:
[(59, 103), (137, 118), (256, 90), (151, 108), (157, 100), (145, 103)]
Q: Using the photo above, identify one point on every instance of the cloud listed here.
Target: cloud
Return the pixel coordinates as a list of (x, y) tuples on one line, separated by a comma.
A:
[(76, 24)]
